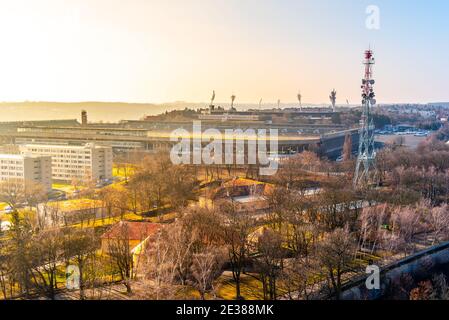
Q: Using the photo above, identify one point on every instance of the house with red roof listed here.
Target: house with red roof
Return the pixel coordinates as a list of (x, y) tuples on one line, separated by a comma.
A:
[(133, 232)]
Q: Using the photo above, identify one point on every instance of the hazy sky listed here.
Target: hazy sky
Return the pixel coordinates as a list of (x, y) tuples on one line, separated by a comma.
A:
[(167, 50)]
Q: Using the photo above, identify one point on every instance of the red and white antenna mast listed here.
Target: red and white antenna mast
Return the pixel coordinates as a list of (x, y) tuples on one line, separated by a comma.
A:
[(365, 170)]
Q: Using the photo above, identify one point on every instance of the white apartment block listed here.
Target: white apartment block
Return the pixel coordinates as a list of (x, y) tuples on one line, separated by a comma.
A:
[(89, 162), (27, 168)]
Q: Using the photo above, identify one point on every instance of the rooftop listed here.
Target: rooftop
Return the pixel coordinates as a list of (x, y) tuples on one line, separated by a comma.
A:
[(248, 199), (85, 146), (18, 156), (241, 182), (132, 230)]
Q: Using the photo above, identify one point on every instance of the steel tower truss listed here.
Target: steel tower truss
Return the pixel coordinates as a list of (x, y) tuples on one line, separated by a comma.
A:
[(365, 173)]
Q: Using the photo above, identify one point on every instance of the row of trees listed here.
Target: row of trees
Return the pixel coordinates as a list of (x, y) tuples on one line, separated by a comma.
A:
[(199, 245), (306, 245), (416, 173), (155, 184), (299, 254), (400, 229), (33, 259)]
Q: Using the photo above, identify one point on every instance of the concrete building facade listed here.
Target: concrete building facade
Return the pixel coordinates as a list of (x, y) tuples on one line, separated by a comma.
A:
[(88, 162), (31, 168)]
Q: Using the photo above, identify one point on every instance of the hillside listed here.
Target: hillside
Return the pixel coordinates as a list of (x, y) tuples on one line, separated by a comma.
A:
[(97, 111)]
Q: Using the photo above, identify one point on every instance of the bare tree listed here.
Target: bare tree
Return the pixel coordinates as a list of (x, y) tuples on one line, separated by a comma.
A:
[(406, 224), (181, 242), (347, 148), (337, 204), (157, 183), (440, 288), (132, 193), (289, 171), (12, 192), (282, 203), (5, 270), (160, 268), (46, 253), (79, 246), (206, 267), (335, 253), (76, 183), (119, 251), (372, 220), (399, 141), (438, 220), (236, 230), (270, 261), (297, 278), (20, 234), (175, 257), (122, 167), (34, 193), (309, 160), (115, 200)]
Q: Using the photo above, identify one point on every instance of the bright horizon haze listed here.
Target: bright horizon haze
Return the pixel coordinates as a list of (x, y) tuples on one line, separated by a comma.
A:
[(176, 50)]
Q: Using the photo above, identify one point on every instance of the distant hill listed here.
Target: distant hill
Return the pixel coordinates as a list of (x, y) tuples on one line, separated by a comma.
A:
[(97, 111), (109, 111)]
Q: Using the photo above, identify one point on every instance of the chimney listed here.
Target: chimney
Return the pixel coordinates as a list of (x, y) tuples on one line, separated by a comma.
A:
[(84, 118)]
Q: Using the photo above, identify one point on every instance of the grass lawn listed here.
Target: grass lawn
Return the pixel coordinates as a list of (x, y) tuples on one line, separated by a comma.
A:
[(4, 217), (66, 187), (107, 221), (61, 185), (120, 185), (119, 171), (76, 204), (250, 287), (3, 206)]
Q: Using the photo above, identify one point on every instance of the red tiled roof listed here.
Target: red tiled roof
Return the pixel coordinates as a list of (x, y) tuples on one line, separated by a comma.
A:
[(132, 230)]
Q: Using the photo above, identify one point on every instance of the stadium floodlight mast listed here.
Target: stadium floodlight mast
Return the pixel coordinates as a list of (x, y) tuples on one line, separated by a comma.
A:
[(365, 173), (333, 99), (212, 98)]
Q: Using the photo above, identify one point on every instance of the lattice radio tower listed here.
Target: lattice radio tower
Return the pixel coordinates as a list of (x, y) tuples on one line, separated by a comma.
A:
[(365, 172)]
